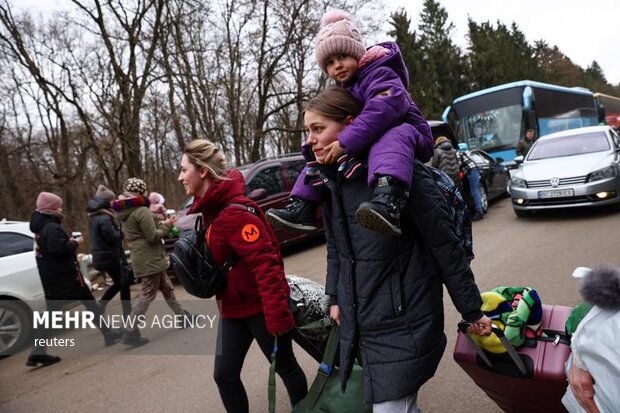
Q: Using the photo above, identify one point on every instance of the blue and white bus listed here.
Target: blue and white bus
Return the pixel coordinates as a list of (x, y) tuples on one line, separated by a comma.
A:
[(495, 119)]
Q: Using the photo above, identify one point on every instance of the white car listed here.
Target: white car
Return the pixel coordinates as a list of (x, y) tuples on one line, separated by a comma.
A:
[(572, 168), (20, 286)]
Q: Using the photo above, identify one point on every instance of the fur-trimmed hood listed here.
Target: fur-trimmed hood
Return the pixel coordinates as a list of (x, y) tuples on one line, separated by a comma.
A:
[(601, 287)]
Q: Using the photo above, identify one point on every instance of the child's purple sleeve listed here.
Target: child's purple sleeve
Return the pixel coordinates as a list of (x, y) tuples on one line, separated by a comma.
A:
[(386, 105)]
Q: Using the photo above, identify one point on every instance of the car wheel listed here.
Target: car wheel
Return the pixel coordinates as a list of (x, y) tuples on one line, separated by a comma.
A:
[(522, 213), (484, 198), (15, 327)]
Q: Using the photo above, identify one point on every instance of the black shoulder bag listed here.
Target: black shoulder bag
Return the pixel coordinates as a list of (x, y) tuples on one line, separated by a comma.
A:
[(193, 264)]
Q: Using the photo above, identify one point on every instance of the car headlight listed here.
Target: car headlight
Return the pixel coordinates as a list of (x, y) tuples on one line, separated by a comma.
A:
[(518, 182), (608, 172)]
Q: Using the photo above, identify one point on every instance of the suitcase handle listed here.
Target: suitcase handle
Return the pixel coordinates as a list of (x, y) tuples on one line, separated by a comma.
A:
[(463, 325)]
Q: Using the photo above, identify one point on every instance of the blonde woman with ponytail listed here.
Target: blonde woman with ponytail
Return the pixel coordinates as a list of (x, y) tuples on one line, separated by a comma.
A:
[(254, 303)]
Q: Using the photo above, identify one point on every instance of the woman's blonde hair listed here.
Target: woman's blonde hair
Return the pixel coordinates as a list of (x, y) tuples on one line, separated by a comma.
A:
[(203, 154), (335, 103)]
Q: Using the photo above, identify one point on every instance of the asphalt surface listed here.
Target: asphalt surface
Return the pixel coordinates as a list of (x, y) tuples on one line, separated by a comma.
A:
[(540, 251)]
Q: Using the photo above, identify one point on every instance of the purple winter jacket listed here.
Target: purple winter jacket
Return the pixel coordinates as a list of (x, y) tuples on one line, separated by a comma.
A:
[(382, 113), (390, 129)]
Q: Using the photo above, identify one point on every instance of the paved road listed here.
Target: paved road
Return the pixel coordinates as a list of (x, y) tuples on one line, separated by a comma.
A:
[(540, 251)]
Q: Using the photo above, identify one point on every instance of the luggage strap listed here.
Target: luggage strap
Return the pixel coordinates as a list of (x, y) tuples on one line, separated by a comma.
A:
[(502, 338), (326, 368), (271, 386), (322, 323), (551, 336)]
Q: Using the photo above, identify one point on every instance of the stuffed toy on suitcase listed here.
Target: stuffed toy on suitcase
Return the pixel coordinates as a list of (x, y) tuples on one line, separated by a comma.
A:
[(529, 377)]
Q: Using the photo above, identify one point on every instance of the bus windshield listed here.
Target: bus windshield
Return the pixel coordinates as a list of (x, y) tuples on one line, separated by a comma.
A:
[(492, 129)]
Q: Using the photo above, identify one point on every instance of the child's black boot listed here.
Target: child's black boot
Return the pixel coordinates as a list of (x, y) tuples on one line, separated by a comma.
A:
[(382, 213), (299, 215)]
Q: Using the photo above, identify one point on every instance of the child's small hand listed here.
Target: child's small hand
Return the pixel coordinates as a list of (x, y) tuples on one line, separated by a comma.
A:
[(334, 151), (171, 220)]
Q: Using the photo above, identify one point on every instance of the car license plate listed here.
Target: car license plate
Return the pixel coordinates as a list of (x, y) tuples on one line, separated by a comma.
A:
[(556, 193)]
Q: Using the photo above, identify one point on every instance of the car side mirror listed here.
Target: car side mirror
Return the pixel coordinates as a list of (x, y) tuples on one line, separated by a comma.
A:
[(519, 159), (258, 194)]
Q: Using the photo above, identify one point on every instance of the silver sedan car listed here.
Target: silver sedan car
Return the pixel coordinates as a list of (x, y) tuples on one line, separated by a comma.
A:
[(573, 168)]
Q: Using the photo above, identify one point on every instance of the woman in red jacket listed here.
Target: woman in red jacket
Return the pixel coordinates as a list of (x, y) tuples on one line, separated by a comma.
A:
[(254, 304)]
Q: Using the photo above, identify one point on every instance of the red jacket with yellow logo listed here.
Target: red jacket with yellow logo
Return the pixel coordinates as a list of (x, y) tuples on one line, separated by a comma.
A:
[(256, 283)]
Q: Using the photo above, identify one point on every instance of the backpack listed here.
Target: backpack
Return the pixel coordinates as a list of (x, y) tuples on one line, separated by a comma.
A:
[(193, 263), (457, 209)]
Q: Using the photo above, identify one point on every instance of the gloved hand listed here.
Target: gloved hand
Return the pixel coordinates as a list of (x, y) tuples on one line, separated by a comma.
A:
[(349, 168), (312, 174)]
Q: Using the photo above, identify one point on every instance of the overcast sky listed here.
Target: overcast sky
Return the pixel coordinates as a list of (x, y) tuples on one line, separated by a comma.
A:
[(584, 30)]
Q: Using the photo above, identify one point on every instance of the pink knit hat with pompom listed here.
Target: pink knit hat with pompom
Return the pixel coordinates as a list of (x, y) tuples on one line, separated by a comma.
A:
[(338, 35)]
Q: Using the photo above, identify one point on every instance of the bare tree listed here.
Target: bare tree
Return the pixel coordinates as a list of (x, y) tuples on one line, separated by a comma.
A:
[(130, 32), (64, 159)]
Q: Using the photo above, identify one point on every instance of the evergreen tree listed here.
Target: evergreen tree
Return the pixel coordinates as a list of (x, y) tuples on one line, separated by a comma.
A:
[(555, 67), (436, 65), (500, 55), (594, 79), (409, 48), (439, 71), (444, 68)]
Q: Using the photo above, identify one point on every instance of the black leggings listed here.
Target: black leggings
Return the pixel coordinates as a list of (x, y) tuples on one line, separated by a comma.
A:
[(236, 336), (119, 284)]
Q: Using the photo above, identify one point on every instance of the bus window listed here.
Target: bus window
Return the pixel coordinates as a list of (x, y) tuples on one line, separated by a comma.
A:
[(492, 129), (609, 109)]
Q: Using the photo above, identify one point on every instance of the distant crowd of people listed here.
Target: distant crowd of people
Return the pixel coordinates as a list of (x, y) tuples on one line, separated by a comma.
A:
[(130, 217)]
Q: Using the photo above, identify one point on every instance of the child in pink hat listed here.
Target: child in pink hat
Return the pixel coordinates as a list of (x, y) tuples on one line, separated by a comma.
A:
[(390, 132), (156, 205)]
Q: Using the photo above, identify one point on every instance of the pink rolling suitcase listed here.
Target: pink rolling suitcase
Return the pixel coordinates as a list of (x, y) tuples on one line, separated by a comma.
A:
[(530, 378)]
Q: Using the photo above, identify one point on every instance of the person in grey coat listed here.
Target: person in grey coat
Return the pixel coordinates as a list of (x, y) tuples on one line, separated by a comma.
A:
[(386, 292), (446, 160)]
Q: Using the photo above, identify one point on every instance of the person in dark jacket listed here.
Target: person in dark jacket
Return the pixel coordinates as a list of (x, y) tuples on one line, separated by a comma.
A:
[(106, 241), (390, 131), (386, 292), (57, 264), (446, 160), (254, 303), (524, 145)]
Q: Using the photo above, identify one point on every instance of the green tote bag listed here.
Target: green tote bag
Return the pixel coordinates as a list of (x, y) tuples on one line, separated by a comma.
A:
[(325, 395)]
